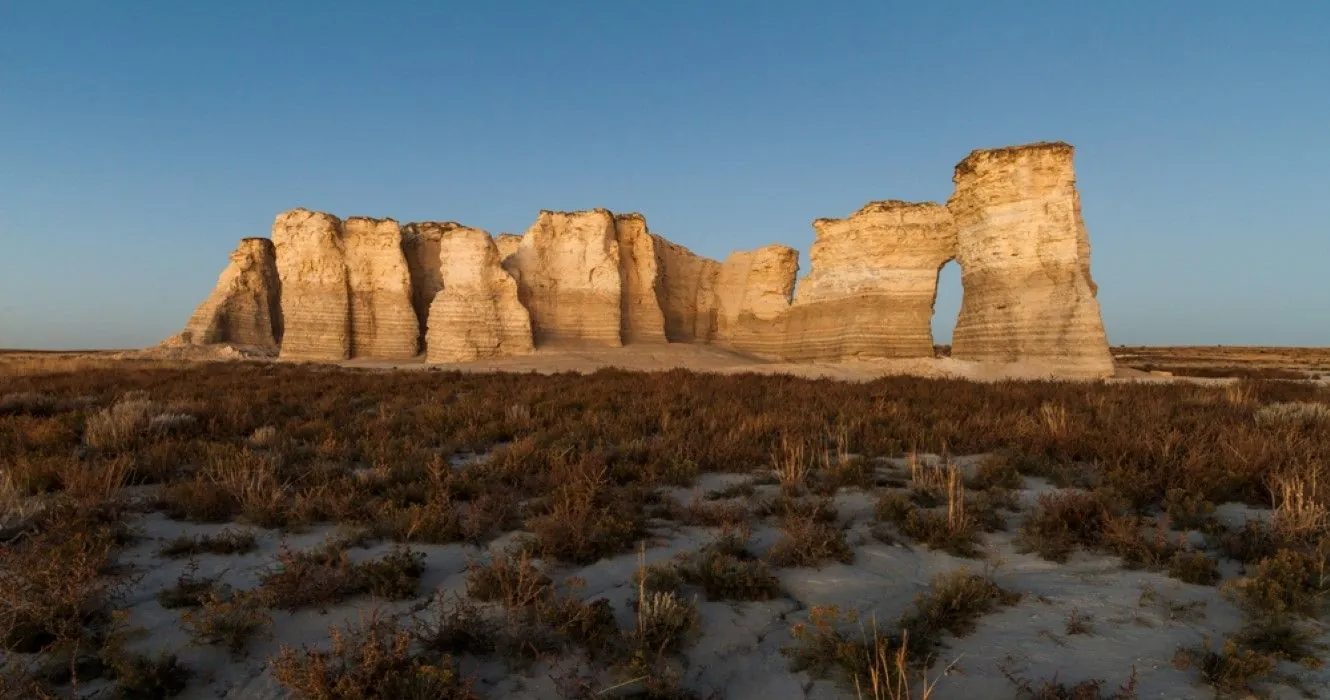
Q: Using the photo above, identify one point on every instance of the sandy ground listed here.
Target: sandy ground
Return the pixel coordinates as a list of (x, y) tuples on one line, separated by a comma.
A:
[(1138, 619), (701, 358), (706, 358)]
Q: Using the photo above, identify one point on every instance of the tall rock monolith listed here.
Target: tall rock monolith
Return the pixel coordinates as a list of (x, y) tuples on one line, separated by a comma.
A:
[(1025, 263), (567, 271), (640, 316), (316, 311), (476, 314), (383, 322)]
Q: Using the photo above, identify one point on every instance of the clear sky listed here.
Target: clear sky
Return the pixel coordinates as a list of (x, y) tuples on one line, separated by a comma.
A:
[(140, 140)]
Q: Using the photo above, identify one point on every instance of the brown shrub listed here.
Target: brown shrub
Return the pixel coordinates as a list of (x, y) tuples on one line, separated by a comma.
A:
[(370, 660), (807, 541)]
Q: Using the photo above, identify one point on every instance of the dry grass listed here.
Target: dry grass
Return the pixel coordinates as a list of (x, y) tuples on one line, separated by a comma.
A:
[(225, 542), (1301, 505), (954, 529), (807, 540), (885, 665), (790, 464), (322, 577), (232, 620), (1054, 689), (1230, 669), (580, 463), (372, 659), (1301, 413)]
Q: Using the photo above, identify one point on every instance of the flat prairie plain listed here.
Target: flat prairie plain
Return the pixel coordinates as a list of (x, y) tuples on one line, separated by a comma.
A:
[(259, 529)]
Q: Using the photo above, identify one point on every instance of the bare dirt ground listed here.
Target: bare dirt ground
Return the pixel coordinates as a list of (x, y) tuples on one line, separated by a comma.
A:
[(1136, 363), (1227, 360)]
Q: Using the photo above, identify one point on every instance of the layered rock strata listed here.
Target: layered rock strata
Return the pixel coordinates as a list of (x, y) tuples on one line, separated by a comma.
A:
[(316, 310), (568, 278), (686, 291), (383, 323), (872, 283), (420, 245), (367, 288), (244, 307), (753, 291), (1025, 262), (476, 314), (640, 316)]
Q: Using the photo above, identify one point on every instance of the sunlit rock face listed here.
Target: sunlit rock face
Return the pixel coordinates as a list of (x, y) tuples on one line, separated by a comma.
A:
[(1025, 262), (873, 282), (753, 291), (476, 314), (568, 278), (244, 307), (507, 243), (311, 264), (383, 321)]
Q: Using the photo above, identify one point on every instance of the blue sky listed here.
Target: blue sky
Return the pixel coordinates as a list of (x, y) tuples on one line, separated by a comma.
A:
[(140, 140)]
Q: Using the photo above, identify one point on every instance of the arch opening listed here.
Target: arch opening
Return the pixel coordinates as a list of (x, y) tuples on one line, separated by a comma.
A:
[(946, 306)]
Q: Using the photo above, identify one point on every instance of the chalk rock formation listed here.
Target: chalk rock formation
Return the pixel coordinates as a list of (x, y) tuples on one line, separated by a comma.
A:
[(640, 316), (244, 307), (1025, 262), (686, 290), (567, 271), (477, 314), (383, 323), (872, 285), (753, 290), (507, 244), (420, 245), (316, 312)]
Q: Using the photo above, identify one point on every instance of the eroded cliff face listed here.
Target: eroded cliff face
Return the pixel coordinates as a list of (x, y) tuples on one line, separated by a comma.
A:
[(367, 288), (383, 322), (477, 314), (507, 244), (640, 316), (753, 291), (568, 277), (244, 307), (1025, 262), (420, 245), (873, 281), (686, 290), (316, 311)]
